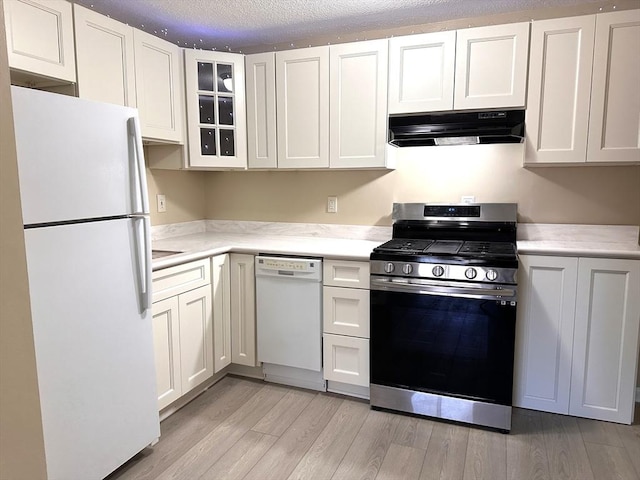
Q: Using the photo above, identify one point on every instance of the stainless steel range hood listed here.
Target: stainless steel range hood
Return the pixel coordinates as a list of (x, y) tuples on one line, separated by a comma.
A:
[(456, 128)]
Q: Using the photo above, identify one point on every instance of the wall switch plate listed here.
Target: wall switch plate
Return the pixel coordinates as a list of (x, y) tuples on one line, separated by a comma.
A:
[(468, 199), (162, 203), (332, 204)]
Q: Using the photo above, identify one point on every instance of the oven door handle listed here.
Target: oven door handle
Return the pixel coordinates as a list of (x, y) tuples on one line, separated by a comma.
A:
[(442, 289)]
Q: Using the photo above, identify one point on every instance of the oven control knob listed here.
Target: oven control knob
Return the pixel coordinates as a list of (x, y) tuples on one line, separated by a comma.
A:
[(438, 271), (407, 268), (492, 275), (389, 267), (470, 273)]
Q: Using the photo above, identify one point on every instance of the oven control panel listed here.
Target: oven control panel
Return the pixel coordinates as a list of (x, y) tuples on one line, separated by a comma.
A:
[(444, 271)]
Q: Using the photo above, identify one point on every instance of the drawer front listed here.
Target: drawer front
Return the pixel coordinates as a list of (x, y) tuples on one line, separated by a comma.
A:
[(339, 273), (346, 311), (346, 359), (179, 279)]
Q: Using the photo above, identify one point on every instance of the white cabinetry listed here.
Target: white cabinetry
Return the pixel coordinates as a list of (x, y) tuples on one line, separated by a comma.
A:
[(346, 326), (182, 329), (243, 310), (216, 115), (577, 337), (583, 102), (220, 283), (40, 37), (261, 110)]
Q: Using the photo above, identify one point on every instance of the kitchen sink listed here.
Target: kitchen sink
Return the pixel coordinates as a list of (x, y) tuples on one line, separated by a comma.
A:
[(163, 253)]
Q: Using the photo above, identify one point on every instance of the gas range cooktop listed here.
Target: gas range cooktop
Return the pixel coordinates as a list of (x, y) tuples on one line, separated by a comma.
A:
[(448, 247)]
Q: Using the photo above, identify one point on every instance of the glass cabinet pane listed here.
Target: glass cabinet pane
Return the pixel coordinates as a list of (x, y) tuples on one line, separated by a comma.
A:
[(225, 110), (208, 141), (206, 109), (227, 143), (225, 77), (205, 76)]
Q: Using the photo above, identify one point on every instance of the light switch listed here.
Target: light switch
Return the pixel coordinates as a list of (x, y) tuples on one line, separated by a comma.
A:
[(162, 203)]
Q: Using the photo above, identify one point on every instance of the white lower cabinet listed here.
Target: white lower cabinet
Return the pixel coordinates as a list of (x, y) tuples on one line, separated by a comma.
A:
[(577, 336), (182, 329), (243, 310), (346, 326), (220, 283)]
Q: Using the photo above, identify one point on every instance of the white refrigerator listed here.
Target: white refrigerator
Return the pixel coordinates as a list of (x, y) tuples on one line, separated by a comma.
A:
[(87, 235)]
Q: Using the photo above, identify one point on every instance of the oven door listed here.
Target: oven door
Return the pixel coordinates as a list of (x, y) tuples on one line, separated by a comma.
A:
[(446, 338)]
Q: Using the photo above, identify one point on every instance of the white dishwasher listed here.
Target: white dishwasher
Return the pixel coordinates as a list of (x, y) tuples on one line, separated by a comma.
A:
[(289, 320)]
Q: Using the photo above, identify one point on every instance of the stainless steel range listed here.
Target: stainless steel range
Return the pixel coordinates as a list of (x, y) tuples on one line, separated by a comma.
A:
[(443, 312)]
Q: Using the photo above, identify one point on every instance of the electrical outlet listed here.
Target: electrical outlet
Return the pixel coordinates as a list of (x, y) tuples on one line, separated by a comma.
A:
[(162, 203), (332, 204), (468, 199)]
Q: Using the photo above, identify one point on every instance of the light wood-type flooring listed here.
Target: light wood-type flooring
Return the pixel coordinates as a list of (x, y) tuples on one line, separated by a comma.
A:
[(247, 429)]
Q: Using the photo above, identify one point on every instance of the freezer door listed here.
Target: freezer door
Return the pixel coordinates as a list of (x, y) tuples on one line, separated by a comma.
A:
[(94, 349), (76, 158)]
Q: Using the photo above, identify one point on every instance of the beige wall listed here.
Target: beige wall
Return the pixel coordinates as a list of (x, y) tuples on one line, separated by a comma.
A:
[(589, 195), (21, 438), (184, 193)]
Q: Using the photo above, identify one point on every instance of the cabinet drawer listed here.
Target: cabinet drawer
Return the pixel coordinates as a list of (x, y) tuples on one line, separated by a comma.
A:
[(346, 359), (181, 278), (346, 311), (339, 273)]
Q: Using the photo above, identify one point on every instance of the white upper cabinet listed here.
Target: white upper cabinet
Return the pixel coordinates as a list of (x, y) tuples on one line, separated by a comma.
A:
[(559, 88), (302, 98), (261, 110), (421, 72), (491, 66), (216, 114), (159, 87), (614, 121), (40, 37), (358, 104), (105, 58)]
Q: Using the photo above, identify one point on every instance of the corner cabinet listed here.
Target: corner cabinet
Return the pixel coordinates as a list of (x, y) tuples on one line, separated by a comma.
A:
[(216, 115), (40, 38), (577, 336)]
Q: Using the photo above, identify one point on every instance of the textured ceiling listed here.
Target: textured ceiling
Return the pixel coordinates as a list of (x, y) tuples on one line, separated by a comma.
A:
[(237, 24)]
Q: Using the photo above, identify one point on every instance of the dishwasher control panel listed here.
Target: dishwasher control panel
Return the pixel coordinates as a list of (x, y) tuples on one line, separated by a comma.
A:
[(288, 266), (284, 264)]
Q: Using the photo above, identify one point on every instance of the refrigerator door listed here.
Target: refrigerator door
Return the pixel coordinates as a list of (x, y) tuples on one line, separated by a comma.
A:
[(76, 158), (94, 350)]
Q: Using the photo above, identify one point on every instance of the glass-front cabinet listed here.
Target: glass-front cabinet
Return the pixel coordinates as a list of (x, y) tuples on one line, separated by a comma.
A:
[(215, 110)]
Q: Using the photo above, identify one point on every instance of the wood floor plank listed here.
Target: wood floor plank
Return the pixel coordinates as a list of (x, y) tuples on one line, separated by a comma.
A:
[(566, 452), (201, 456), (367, 452), (610, 463), (401, 463), (630, 437), (526, 452), (282, 458), (486, 457), (604, 433), (188, 426), (413, 432), (446, 453), (241, 458), (284, 413), (322, 459)]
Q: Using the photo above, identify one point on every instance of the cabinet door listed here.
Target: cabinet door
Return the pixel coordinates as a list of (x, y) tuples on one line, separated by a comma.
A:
[(605, 346), (261, 110), (302, 102), (166, 347), (421, 72), (216, 112), (104, 56), (40, 37), (243, 310), (196, 337), (346, 311), (491, 66), (614, 121), (559, 90), (346, 359), (358, 104), (221, 312), (544, 332), (159, 88)]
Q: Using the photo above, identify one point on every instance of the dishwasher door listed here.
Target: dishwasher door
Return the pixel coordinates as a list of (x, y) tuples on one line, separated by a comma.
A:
[(289, 311)]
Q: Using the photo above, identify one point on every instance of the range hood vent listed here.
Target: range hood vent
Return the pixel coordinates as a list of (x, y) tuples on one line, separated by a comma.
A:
[(459, 128)]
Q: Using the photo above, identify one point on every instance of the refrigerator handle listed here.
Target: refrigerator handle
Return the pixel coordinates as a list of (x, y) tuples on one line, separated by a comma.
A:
[(141, 194), (144, 260)]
